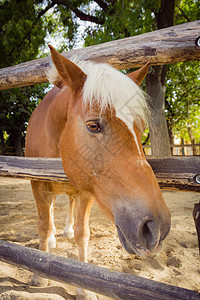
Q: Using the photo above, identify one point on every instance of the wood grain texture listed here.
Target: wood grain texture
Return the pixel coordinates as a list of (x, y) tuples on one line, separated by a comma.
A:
[(46, 169), (177, 173), (196, 217), (172, 173), (97, 279), (168, 45)]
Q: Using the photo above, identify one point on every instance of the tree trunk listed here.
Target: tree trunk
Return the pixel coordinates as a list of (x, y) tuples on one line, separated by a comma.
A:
[(171, 138), (192, 140), (155, 87), (183, 149), (170, 125), (17, 142), (3, 146)]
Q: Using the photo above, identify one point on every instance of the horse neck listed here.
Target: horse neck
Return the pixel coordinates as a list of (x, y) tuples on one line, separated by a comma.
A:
[(55, 121)]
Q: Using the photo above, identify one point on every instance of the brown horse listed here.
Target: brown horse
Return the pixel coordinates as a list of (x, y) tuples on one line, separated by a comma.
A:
[(93, 119)]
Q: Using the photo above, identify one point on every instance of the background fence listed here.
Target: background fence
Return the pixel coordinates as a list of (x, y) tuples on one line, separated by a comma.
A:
[(177, 150)]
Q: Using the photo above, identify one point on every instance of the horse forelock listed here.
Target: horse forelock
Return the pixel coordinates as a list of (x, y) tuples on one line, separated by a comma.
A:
[(107, 87)]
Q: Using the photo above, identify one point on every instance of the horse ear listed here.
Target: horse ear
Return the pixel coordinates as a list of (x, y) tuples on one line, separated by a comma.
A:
[(139, 75), (70, 73)]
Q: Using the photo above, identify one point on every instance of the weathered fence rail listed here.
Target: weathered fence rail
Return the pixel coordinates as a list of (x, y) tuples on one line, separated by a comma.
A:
[(173, 173), (97, 279), (168, 45)]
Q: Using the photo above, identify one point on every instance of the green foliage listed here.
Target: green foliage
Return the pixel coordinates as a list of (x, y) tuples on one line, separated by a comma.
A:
[(183, 79), (182, 99), (22, 32), (122, 19), (16, 107), (186, 11)]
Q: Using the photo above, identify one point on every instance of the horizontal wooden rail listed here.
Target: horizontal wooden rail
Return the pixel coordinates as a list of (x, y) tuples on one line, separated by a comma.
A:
[(168, 45), (172, 146), (97, 279), (173, 173)]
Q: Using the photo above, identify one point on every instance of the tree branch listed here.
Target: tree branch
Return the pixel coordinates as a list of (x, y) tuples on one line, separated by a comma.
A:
[(102, 4), (84, 17), (146, 139), (28, 34), (81, 15), (169, 108), (184, 15), (42, 12)]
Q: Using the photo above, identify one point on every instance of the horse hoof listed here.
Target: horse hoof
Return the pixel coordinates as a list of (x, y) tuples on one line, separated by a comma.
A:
[(85, 295), (52, 242), (69, 234), (38, 281)]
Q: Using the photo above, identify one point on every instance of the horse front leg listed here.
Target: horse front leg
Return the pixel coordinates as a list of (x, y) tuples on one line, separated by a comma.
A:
[(82, 236), (69, 223), (44, 201), (52, 239)]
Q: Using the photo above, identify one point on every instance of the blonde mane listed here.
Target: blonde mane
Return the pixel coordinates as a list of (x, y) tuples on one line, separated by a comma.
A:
[(108, 87)]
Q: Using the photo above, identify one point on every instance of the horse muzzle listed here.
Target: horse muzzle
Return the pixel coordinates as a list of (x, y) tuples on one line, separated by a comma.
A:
[(142, 236)]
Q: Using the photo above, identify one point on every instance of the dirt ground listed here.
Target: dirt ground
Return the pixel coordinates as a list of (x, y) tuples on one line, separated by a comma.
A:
[(176, 264)]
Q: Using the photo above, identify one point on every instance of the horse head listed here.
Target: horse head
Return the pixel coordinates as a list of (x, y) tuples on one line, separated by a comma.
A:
[(102, 152)]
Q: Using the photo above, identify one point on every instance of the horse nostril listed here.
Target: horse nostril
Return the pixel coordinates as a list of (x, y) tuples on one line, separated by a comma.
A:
[(149, 234)]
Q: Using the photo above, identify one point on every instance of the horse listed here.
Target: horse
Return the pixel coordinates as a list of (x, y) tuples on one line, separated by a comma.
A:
[(94, 118)]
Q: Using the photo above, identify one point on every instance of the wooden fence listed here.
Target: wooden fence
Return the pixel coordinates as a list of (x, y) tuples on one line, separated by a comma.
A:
[(169, 45), (164, 46), (182, 149), (172, 173), (97, 279)]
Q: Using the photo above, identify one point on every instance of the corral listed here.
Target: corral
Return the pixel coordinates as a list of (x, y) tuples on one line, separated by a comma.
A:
[(182, 181)]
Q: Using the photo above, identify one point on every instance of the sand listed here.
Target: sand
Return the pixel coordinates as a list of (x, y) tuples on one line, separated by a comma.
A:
[(176, 264)]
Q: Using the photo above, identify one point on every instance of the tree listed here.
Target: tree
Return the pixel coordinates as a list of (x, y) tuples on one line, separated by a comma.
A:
[(22, 32), (155, 87), (16, 107), (182, 101), (181, 97)]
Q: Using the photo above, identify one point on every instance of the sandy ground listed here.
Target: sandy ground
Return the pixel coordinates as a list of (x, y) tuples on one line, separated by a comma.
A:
[(177, 263)]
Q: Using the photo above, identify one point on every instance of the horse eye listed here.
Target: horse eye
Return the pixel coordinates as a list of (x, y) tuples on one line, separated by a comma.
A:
[(94, 126)]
